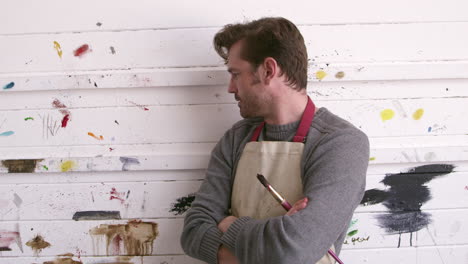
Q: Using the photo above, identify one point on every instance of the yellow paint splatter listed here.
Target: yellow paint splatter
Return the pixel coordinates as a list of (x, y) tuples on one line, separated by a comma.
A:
[(339, 75), (372, 158), (418, 114), (58, 48), (320, 75), (67, 165), (387, 114), (94, 136)]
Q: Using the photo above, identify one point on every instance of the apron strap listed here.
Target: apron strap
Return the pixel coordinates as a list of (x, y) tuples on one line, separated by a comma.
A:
[(304, 125)]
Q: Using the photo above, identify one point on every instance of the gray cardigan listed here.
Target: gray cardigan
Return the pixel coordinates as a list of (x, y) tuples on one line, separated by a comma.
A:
[(334, 165)]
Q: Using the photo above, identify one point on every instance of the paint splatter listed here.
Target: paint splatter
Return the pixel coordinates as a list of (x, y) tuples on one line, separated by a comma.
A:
[(96, 215), (112, 50), (387, 114), (404, 196), (17, 200), (28, 118), (117, 195), (37, 244), (141, 106), (116, 122), (64, 259), (67, 165), (137, 237), (320, 75), (339, 75), (7, 238), (62, 109), (7, 133), (9, 86), (21, 166), (429, 129), (83, 49), (65, 120), (94, 136), (127, 161), (58, 48), (418, 114), (98, 24), (352, 233), (45, 167), (372, 158), (111, 149), (182, 204), (466, 188)]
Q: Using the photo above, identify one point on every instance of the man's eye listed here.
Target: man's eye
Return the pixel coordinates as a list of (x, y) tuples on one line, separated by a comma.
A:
[(234, 75)]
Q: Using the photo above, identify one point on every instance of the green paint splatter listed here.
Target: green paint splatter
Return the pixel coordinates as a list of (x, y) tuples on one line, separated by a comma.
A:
[(372, 158), (28, 118), (45, 167), (352, 233)]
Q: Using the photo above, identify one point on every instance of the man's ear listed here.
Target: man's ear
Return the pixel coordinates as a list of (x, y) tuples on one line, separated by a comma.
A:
[(270, 68)]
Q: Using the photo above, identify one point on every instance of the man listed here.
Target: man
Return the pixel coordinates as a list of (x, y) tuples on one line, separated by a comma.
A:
[(233, 218)]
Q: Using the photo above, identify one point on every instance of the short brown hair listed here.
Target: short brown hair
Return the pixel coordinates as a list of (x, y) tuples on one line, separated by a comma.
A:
[(274, 37)]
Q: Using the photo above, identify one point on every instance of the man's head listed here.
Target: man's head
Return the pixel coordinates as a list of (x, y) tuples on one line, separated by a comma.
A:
[(261, 53), (273, 37)]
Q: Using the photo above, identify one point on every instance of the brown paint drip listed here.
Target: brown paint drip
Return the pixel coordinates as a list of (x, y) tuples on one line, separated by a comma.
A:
[(37, 244), (137, 237), (21, 166), (64, 259)]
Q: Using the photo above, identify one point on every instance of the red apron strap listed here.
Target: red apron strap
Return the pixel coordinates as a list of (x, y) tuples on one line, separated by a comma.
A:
[(257, 132), (304, 125), (306, 121)]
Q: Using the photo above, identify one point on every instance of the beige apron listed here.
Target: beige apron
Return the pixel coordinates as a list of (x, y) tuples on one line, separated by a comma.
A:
[(279, 162)]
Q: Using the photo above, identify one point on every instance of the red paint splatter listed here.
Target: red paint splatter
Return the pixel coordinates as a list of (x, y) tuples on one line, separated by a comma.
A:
[(116, 195), (57, 104), (111, 149), (65, 120), (115, 250), (146, 109), (81, 50)]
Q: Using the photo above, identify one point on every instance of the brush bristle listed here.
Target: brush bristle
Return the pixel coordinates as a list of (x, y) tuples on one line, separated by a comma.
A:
[(262, 180)]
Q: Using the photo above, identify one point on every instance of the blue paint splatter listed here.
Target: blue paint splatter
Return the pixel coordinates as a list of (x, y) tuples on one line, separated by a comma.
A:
[(429, 129), (8, 133), (9, 86)]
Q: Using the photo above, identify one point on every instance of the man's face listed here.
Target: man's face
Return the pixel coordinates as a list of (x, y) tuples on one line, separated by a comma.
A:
[(246, 85)]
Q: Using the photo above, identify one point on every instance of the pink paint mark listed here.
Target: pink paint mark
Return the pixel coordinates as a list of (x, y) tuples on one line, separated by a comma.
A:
[(65, 120), (81, 50), (7, 238), (115, 250), (466, 188), (116, 195)]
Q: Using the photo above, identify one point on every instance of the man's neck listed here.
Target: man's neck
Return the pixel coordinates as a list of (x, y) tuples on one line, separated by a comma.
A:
[(287, 109)]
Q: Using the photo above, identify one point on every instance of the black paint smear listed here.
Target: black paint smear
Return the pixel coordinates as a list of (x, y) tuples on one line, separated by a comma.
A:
[(96, 215), (404, 198), (5, 249), (182, 205)]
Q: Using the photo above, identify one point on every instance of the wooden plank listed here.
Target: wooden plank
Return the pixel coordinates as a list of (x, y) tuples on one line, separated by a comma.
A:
[(446, 229), (168, 48), (360, 81), (171, 259), (103, 15), (420, 255), (129, 200)]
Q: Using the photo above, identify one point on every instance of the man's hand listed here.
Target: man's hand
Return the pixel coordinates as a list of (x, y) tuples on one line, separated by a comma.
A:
[(225, 256), (226, 223), (299, 205)]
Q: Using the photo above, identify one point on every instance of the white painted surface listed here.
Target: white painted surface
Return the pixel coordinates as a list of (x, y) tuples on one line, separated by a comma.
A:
[(396, 55)]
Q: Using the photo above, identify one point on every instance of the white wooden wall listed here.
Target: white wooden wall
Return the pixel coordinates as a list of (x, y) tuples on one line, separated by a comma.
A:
[(127, 127)]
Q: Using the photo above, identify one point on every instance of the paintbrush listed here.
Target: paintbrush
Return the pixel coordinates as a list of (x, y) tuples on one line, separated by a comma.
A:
[(286, 205)]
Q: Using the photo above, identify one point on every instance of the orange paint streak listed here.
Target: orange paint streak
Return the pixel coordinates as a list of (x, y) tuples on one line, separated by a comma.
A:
[(94, 136)]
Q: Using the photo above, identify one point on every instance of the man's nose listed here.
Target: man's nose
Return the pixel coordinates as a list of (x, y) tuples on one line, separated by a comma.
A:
[(232, 88)]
